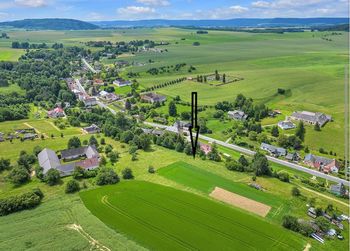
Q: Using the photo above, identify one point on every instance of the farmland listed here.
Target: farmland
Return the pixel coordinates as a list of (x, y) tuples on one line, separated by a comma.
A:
[(171, 209), (191, 217)]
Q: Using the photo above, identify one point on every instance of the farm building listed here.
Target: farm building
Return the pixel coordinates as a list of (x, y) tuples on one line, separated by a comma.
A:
[(122, 82), (98, 82), (286, 125), (90, 101), (92, 129), (237, 115), (273, 150), (153, 97), (75, 153), (48, 159), (311, 117), (56, 113), (322, 164)]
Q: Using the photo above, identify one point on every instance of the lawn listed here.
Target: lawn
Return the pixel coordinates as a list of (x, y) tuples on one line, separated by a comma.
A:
[(164, 218)]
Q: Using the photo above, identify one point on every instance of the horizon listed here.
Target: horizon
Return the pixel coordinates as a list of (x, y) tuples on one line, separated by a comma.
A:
[(136, 10)]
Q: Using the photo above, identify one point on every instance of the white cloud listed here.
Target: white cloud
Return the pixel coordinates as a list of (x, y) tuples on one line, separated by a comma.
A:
[(135, 10), (31, 3), (154, 2), (261, 4), (4, 15), (238, 9)]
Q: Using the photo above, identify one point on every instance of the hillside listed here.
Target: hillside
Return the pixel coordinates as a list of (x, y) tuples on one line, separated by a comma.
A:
[(237, 22), (50, 24)]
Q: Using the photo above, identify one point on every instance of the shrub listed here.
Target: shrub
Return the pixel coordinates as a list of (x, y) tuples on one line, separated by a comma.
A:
[(19, 175), (295, 191), (290, 222), (72, 186), (127, 174), (151, 169), (20, 202), (52, 177), (106, 176)]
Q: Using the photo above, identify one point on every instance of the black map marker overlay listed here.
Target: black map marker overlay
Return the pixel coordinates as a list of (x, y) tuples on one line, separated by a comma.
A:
[(194, 128)]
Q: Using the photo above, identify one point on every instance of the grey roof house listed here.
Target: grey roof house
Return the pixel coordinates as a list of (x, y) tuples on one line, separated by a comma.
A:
[(286, 125), (74, 153), (237, 115), (92, 129), (273, 150), (311, 117)]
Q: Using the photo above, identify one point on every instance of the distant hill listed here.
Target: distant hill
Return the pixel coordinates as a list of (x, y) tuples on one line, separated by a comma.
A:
[(239, 22), (50, 24)]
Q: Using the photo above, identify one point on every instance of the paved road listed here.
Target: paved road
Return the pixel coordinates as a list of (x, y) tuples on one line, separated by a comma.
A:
[(102, 105), (272, 159), (89, 66)]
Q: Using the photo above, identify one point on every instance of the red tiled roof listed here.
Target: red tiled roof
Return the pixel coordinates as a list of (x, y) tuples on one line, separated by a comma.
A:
[(88, 163)]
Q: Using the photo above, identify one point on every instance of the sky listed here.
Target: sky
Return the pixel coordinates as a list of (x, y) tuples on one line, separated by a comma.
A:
[(97, 10)]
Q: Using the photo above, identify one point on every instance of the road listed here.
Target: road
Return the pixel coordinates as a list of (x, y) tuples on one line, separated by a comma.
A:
[(88, 66), (272, 159), (102, 105)]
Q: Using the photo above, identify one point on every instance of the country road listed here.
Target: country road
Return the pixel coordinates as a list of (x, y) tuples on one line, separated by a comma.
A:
[(272, 159)]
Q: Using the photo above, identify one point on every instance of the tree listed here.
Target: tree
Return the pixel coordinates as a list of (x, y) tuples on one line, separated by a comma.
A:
[(113, 156), (93, 141), (37, 150), (19, 175), (5, 164), (214, 153), (127, 174), (290, 222), (103, 161), (151, 169), (261, 165), (172, 109), (188, 149), (39, 172), (296, 191), (78, 172), (274, 131), (103, 141), (72, 186), (127, 105), (300, 131), (108, 149), (252, 135), (74, 142), (224, 78), (243, 161), (106, 176), (179, 147), (317, 127), (52, 177), (323, 223)]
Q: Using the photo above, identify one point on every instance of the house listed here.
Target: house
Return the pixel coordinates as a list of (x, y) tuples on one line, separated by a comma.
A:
[(103, 93), (122, 63), (90, 101), (146, 130), (122, 82), (273, 150), (98, 82), (48, 159), (58, 112), (205, 148), (184, 125), (312, 212), (30, 136), (286, 125), (75, 153), (157, 132), (338, 189), (311, 117), (153, 98), (112, 97), (321, 163), (237, 115), (92, 129), (173, 129), (292, 156)]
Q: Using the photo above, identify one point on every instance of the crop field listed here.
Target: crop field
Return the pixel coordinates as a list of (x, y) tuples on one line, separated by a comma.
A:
[(206, 182), (164, 218)]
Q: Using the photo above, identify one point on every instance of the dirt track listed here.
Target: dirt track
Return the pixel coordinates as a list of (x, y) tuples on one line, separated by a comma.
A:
[(240, 201)]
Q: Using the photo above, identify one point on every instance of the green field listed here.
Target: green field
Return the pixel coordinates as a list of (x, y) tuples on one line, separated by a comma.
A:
[(163, 218)]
